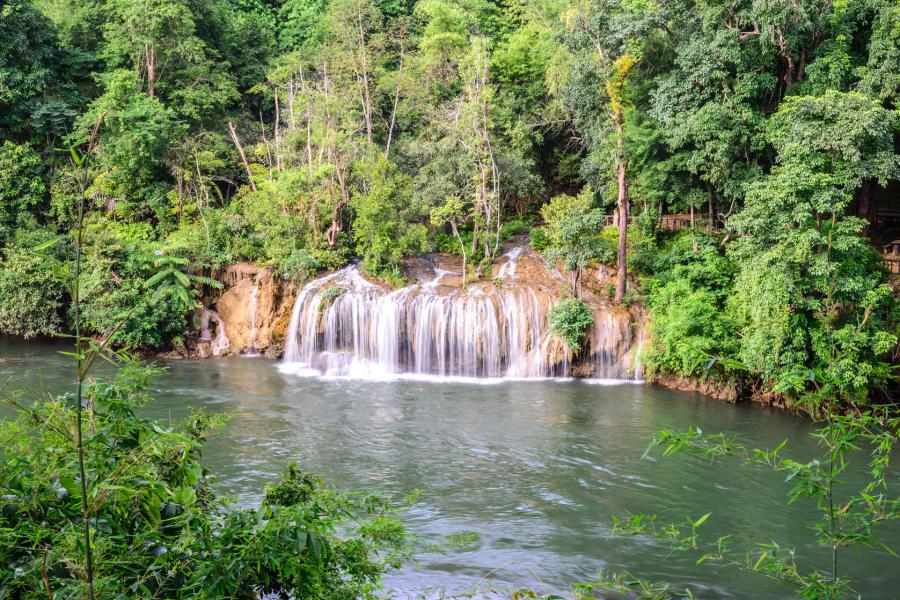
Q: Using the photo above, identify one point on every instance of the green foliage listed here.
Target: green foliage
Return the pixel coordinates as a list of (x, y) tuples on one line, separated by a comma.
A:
[(35, 93), (848, 516), (375, 128), (808, 282), (31, 295), (120, 261), (21, 186), (137, 129), (157, 526), (539, 240), (574, 233), (569, 319), (171, 279), (385, 222), (687, 293)]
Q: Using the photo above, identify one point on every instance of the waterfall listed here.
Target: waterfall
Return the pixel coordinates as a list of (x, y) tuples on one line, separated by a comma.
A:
[(344, 325), (508, 269), (221, 340), (253, 309)]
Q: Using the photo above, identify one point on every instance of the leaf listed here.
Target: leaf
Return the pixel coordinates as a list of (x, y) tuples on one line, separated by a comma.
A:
[(49, 243), (701, 520), (181, 277)]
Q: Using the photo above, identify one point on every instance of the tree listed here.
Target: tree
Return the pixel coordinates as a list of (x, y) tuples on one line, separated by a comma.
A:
[(36, 100), (386, 225), (605, 40), (808, 282), (574, 233), (158, 40), (130, 148), (21, 185)]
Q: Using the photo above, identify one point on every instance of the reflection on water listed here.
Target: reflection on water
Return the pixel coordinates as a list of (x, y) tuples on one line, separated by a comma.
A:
[(535, 468)]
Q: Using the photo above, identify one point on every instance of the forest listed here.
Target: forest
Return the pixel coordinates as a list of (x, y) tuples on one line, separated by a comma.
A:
[(729, 167), (305, 134)]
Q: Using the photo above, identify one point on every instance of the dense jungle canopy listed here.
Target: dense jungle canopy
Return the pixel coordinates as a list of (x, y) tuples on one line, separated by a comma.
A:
[(304, 134)]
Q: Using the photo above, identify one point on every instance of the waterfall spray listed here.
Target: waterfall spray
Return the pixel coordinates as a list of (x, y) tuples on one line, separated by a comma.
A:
[(221, 341)]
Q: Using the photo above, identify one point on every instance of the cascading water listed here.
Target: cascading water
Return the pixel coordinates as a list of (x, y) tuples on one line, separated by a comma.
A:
[(344, 325), (508, 269), (220, 342)]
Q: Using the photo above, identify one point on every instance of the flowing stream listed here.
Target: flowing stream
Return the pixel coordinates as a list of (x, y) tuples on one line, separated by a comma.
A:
[(530, 471)]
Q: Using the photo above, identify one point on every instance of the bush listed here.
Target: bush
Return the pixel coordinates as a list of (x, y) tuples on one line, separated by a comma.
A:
[(569, 320), (686, 295), (118, 259), (540, 241), (300, 265), (31, 296), (512, 228), (157, 527), (212, 240), (21, 186)]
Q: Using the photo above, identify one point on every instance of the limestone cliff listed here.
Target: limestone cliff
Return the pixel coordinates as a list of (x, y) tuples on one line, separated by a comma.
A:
[(251, 312)]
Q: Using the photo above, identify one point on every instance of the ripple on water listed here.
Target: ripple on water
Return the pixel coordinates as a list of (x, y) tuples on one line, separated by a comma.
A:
[(535, 469)]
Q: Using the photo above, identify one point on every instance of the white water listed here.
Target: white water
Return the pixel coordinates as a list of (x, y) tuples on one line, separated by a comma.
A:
[(508, 269), (344, 326), (221, 341)]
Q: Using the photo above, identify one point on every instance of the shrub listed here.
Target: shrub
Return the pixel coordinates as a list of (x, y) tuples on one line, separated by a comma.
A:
[(540, 241), (31, 296), (21, 186), (158, 528), (692, 332), (569, 320), (513, 228), (299, 265)]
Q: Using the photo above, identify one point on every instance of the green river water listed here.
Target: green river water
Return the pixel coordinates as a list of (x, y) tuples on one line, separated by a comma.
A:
[(535, 469)]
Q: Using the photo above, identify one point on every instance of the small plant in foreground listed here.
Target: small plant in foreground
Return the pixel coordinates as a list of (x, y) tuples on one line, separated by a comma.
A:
[(157, 528), (848, 518)]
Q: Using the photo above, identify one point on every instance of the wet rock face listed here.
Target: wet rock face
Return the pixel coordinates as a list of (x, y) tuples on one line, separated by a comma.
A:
[(248, 313)]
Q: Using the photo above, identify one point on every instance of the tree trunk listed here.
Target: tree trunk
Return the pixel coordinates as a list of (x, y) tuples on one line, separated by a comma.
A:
[(278, 164), (364, 68), (240, 149), (390, 136), (150, 68), (622, 208)]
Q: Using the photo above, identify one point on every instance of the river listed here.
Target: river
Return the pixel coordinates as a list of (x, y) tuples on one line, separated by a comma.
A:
[(530, 471)]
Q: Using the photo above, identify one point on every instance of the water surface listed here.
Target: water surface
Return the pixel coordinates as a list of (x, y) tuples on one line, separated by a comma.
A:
[(535, 469)]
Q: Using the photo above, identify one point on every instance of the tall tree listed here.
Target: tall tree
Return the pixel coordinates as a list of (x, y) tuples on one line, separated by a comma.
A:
[(605, 39)]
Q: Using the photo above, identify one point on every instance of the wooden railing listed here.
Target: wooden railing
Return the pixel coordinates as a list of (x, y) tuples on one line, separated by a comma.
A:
[(676, 222), (670, 222)]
